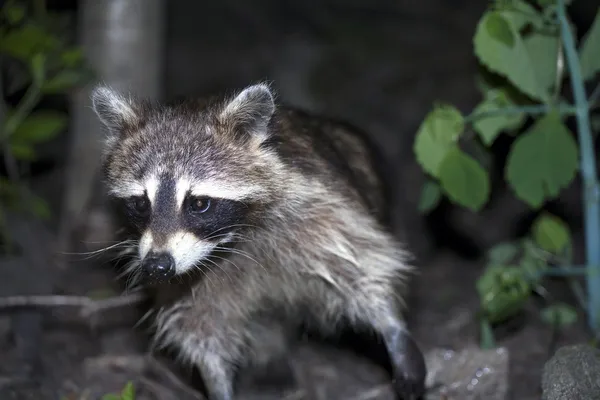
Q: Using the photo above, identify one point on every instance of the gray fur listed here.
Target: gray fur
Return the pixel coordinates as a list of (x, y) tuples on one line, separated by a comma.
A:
[(115, 110), (312, 244), (250, 110)]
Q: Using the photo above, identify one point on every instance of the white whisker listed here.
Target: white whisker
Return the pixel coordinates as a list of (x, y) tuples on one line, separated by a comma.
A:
[(205, 273), (91, 254), (225, 259), (220, 267), (241, 253)]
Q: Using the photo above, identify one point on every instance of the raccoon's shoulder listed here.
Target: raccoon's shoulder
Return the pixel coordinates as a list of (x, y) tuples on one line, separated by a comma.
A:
[(336, 152)]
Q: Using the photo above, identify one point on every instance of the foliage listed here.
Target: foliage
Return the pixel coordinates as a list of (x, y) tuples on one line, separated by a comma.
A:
[(522, 49), (128, 393), (42, 63)]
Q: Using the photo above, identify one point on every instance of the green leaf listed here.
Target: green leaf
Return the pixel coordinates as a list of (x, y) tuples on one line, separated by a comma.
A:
[(521, 14), (438, 133), (62, 81), (39, 127), (589, 54), (22, 151), (38, 68), (499, 29), (431, 193), (551, 233), (72, 57), (542, 161), (503, 291), (502, 253), (40, 208), (464, 180), (489, 127), (533, 262), (488, 81), (559, 315), (26, 41), (542, 48), (13, 12), (128, 392), (512, 61)]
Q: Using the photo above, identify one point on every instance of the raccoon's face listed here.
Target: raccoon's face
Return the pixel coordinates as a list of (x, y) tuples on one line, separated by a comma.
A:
[(188, 179)]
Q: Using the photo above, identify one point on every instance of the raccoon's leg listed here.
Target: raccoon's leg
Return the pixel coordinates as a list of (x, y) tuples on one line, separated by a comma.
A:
[(269, 360), (217, 374), (240, 344), (214, 347), (375, 311), (408, 363)]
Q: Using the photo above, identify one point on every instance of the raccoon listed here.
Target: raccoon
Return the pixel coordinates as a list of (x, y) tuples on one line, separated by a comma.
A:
[(252, 216)]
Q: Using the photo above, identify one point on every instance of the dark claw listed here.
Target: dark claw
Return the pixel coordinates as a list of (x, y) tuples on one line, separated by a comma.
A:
[(406, 390), (409, 369)]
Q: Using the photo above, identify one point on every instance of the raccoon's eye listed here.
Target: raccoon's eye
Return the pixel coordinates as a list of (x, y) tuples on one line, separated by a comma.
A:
[(199, 205), (140, 204)]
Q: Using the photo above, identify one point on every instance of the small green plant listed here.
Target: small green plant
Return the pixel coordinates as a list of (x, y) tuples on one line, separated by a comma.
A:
[(128, 393), (526, 51), (42, 63)]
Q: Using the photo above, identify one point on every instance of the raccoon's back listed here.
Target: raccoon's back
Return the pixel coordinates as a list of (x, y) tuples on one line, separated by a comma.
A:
[(337, 153)]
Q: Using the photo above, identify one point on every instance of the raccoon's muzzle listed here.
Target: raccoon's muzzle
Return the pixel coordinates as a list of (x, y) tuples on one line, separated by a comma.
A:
[(158, 266)]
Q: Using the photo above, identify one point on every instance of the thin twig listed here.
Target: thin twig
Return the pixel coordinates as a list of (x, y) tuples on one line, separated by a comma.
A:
[(88, 306), (25, 106)]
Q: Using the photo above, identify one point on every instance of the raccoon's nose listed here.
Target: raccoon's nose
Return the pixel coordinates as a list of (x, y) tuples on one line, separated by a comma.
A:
[(159, 266)]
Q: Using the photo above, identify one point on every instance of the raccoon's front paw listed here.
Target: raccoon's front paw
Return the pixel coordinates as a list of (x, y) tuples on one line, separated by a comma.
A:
[(408, 388), (410, 370)]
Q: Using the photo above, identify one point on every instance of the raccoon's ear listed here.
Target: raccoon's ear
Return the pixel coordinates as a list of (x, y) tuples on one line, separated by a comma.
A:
[(114, 110), (250, 111)]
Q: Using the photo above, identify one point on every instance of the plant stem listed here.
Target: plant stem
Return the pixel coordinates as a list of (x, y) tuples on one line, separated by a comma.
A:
[(27, 103), (591, 190), (12, 169), (529, 110)]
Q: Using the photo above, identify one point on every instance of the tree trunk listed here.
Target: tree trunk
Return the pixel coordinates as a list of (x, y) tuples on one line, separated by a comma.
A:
[(123, 41)]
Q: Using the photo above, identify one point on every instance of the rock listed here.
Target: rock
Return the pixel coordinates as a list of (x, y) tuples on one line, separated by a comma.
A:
[(572, 373), (468, 374)]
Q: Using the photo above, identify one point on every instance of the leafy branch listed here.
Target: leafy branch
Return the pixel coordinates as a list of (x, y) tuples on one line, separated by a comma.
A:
[(43, 64), (523, 49)]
